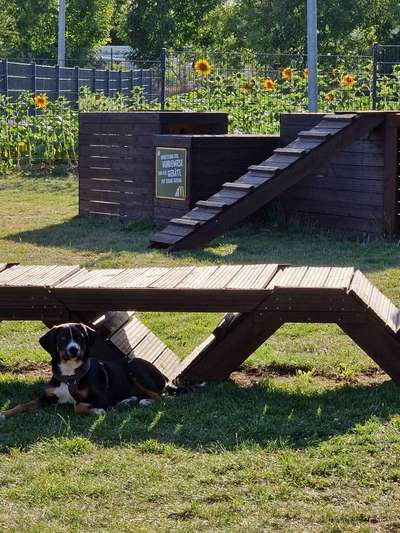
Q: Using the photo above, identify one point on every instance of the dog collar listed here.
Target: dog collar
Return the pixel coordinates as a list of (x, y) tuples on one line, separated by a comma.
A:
[(77, 376)]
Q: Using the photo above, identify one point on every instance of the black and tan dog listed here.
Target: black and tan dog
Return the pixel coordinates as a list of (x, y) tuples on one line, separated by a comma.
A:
[(92, 386)]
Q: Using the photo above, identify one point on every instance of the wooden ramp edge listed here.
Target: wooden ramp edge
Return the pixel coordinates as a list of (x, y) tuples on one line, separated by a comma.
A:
[(264, 182)]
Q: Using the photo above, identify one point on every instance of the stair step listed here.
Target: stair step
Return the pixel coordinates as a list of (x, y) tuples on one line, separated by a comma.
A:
[(238, 186), (264, 169), (201, 214), (256, 181), (314, 134), (290, 151), (211, 205), (345, 117), (164, 238), (184, 222)]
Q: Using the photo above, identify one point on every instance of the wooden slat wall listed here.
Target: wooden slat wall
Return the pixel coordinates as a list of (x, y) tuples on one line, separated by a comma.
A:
[(115, 164), (117, 160), (348, 194)]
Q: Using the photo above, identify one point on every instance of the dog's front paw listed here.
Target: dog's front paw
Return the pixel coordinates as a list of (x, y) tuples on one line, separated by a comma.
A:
[(128, 401), (144, 402), (2, 418), (99, 412)]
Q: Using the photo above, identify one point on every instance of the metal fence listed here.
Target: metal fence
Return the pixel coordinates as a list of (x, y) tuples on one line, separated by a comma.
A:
[(256, 88), (56, 81)]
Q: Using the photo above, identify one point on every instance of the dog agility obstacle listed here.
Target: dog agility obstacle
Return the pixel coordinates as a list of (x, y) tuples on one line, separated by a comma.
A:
[(283, 174), (258, 299)]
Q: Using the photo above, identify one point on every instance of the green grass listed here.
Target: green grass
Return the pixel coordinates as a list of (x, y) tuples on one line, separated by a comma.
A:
[(307, 441)]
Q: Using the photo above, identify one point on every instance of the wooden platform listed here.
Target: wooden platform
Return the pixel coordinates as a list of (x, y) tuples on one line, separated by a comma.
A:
[(304, 156), (259, 299)]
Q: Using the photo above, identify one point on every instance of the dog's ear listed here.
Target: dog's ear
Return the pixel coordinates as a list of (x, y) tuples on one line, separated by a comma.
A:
[(48, 340), (91, 334)]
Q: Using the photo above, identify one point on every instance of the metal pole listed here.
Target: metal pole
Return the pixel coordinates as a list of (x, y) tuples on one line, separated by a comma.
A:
[(163, 70), (61, 33), (312, 52), (375, 55)]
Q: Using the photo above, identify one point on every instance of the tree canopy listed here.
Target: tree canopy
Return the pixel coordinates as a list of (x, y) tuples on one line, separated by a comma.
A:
[(28, 28)]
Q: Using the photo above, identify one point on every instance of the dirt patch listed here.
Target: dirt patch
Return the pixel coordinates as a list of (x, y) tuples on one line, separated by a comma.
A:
[(248, 375), (39, 370)]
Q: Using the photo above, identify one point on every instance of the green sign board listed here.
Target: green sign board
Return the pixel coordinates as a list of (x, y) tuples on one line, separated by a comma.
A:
[(171, 169)]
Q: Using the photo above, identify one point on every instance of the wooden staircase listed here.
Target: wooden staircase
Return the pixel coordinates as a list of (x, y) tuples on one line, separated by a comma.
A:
[(264, 182)]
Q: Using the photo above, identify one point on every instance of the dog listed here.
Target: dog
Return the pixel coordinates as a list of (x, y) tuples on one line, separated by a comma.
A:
[(92, 386)]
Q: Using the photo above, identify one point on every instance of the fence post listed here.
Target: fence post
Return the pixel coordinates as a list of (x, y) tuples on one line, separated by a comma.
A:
[(93, 80), (120, 82), (132, 80), (163, 72), (58, 80), (108, 81), (77, 85), (34, 78), (375, 57), (5, 68)]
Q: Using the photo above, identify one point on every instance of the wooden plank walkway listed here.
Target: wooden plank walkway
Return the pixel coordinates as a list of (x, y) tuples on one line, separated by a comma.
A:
[(264, 182), (260, 298)]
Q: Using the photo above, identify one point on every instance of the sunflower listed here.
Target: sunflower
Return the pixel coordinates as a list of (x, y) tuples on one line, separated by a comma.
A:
[(287, 73), (348, 80), (329, 96), (41, 101), (269, 85), (202, 66), (305, 73)]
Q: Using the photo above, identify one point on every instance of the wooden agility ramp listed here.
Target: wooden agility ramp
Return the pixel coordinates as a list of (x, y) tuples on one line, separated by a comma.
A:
[(262, 183), (258, 298)]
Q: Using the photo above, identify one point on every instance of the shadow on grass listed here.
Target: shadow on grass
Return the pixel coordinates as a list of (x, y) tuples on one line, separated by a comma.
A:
[(223, 416), (258, 240), (90, 234)]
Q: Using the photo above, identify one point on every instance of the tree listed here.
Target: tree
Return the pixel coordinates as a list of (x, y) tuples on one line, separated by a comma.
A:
[(8, 33), (344, 27), (31, 27), (149, 25)]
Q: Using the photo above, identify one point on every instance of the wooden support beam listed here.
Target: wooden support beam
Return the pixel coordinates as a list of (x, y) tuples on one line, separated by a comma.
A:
[(234, 340)]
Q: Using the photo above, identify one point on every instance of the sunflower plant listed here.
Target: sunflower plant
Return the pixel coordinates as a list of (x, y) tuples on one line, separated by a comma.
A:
[(34, 130)]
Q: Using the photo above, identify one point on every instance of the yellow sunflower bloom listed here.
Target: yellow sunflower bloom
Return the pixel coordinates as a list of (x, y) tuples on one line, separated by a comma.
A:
[(305, 73), (329, 96), (287, 73), (41, 101), (348, 80), (269, 85), (202, 66)]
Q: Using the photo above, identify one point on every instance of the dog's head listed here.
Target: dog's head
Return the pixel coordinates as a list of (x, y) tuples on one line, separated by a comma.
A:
[(68, 342)]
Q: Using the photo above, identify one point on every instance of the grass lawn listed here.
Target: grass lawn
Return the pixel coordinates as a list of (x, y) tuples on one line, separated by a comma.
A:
[(306, 437)]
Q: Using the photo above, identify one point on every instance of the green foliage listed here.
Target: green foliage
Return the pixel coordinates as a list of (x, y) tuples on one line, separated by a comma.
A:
[(147, 26), (29, 27), (29, 135), (271, 26)]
